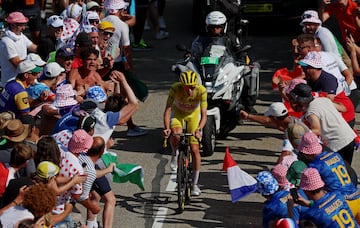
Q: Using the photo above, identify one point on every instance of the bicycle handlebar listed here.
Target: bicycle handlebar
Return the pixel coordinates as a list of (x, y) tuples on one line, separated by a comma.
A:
[(181, 134)]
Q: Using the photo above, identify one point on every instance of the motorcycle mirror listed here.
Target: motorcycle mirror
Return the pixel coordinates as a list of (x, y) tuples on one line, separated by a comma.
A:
[(181, 47)]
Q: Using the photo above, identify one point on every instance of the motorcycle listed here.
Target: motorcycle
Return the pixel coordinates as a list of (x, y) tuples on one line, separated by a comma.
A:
[(224, 77)]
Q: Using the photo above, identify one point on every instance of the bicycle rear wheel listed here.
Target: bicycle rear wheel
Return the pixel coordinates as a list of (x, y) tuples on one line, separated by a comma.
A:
[(181, 180)]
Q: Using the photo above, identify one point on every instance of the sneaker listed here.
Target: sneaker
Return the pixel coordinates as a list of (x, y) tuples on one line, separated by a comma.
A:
[(195, 191), (136, 131), (173, 163), (141, 46), (161, 22), (162, 35)]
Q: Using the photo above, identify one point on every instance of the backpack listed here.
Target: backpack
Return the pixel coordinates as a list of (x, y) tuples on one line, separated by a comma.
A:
[(4, 173)]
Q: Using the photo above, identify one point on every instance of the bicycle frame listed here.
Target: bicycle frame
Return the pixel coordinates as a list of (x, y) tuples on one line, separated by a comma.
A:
[(184, 171)]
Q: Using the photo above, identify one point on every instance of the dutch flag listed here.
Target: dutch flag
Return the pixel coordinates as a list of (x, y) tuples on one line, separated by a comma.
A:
[(240, 182)]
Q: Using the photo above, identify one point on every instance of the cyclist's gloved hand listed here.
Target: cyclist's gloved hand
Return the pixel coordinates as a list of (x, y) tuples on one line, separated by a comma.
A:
[(166, 133)]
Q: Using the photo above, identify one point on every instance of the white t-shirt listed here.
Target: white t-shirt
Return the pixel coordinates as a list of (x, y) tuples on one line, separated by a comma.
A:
[(327, 39), (13, 215), (335, 132), (12, 45), (121, 35), (105, 123)]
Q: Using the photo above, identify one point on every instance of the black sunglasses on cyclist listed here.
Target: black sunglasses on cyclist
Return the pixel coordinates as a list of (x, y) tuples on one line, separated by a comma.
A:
[(189, 87)]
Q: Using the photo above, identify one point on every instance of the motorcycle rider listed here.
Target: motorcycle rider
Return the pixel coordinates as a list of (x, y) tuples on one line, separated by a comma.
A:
[(187, 102), (216, 33)]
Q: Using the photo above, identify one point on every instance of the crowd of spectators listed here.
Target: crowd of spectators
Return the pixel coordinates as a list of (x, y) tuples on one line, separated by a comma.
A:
[(64, 90), (73, 77), (313, 183)]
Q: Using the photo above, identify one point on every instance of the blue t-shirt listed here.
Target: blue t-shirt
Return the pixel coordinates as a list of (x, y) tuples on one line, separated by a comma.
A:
[(68, 121), (14, 98), (331, 211), (275, 208), (35, 91), (325, 83), (333, 171)]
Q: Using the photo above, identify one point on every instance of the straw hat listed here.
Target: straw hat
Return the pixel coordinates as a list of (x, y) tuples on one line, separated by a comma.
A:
[(15, 131)]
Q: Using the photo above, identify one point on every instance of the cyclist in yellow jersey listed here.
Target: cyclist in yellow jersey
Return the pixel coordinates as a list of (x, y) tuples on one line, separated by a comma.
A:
[(187, 102)]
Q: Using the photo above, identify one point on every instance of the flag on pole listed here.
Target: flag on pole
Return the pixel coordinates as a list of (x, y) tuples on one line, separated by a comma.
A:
[(240, 182), (124, 172)]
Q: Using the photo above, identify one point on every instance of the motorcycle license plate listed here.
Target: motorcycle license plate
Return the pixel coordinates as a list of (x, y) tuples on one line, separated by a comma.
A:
[(209, 60)]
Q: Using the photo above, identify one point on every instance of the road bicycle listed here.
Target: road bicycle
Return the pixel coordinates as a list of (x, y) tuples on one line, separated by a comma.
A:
[(184, 170)]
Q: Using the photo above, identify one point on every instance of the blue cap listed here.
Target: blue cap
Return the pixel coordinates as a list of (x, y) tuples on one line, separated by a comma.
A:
[(66, 51)]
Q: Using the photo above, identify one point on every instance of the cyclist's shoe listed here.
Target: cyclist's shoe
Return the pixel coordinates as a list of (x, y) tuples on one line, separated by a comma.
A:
[(195, 191), (173, 163), (141, 46), (136, 131)]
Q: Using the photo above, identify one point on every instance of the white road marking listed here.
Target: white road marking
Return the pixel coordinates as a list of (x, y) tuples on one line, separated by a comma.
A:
[(160, 217), (161, 212), (171, 187)]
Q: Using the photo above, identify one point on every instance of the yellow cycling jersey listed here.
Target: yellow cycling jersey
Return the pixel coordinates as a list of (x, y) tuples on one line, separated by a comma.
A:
[(182, 102)]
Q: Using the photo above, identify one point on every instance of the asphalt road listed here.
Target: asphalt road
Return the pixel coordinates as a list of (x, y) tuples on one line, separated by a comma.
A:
[(253, 147)]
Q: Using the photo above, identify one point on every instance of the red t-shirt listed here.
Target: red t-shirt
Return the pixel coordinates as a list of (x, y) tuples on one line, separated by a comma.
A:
[(77, 63), (345, 17)]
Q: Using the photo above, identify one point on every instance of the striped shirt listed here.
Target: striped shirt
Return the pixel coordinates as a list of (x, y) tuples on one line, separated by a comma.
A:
[(89, 169)]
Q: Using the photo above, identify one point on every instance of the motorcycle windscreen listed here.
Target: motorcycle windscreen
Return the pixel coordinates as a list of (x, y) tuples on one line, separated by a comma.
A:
[(208, 67)]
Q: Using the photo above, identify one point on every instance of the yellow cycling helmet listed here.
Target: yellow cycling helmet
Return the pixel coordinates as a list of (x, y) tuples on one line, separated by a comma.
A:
[(188, 78)]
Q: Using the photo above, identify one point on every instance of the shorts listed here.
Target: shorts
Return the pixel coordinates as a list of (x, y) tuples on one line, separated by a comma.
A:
[(101, 185), (192, 122)]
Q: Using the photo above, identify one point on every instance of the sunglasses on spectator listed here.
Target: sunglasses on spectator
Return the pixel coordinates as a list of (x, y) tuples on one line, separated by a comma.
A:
[(302, 48), (215, 26), (106, 33), (68, 58), (93, 21), (21, 24)]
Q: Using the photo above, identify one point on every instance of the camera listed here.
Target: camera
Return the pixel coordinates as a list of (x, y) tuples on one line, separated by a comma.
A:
[(106, 62), (348, 34), (294, 194)]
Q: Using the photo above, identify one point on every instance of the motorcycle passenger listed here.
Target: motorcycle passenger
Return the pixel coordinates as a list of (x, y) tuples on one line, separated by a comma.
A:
[(187, 102)]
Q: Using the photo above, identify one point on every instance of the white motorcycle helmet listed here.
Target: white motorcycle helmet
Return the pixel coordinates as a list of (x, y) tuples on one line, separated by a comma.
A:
[(216, 18)]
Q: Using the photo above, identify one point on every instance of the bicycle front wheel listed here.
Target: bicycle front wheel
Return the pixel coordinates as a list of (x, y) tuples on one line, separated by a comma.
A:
[(181, 180)]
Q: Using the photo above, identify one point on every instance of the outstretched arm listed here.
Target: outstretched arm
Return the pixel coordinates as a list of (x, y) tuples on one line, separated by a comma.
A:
[(129, 109)]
